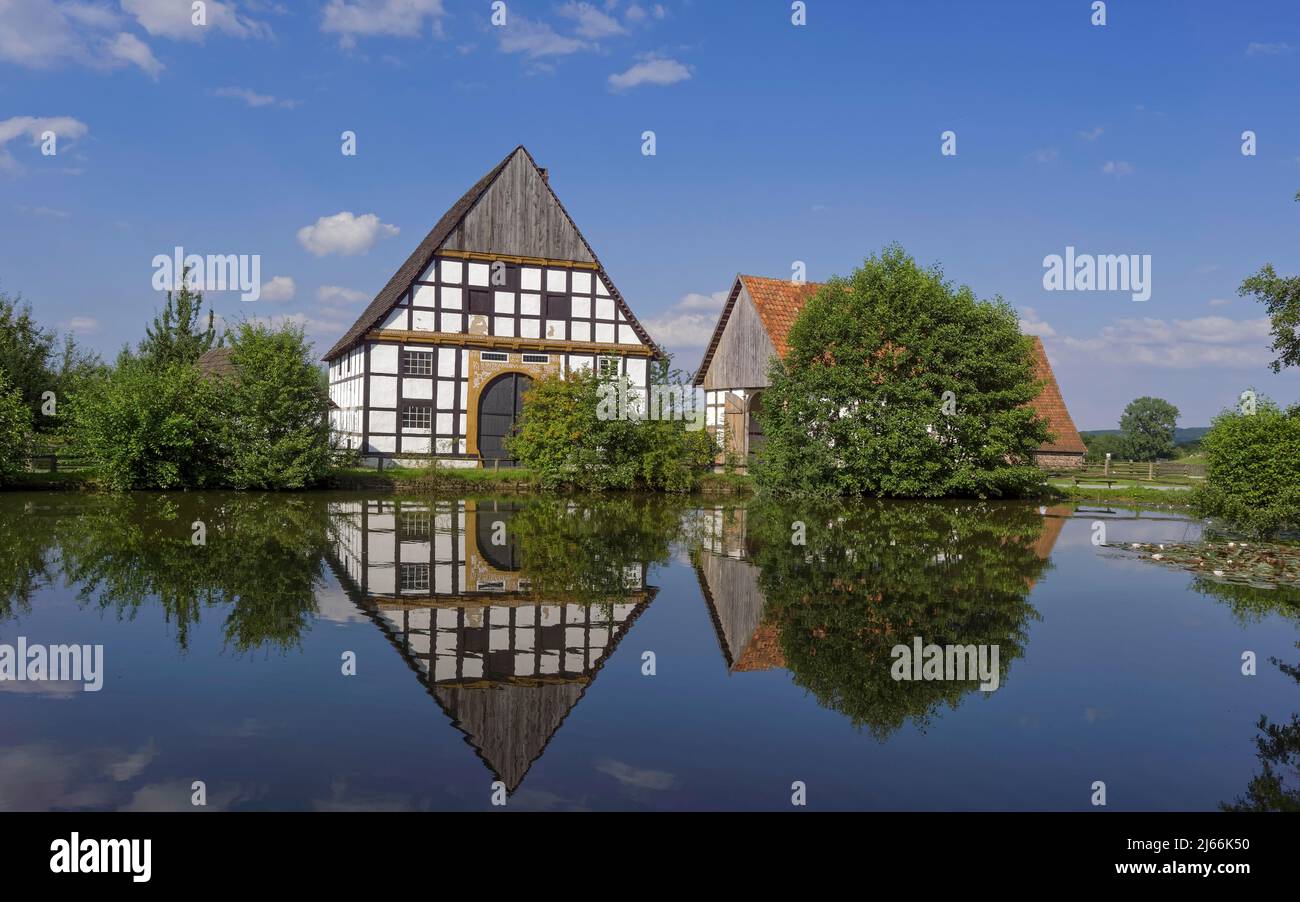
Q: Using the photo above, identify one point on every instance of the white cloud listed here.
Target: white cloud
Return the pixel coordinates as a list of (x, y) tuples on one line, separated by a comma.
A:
[(1179, 344), (45, 212), (38, 34), (1117, 168), (337, 296), (350, 19), (1045, 155), (174, 19), (83, 325), (65, 128), (280, 288), (650, 72), (1091, 134), (1031, 324), (689, 323), (252, 98), (592, 23), (536, 40), (1257, 48), (128, 48), (344, 234), (1220, 302)]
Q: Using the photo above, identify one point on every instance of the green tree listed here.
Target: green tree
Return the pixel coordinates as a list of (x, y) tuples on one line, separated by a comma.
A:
[(147, 427), (278, 433), (898, 384), (1148, 428), (15, 431), (571, 432), (27, 354), (1105, 443), (1252, 469), (178, 334), (1281, 299)]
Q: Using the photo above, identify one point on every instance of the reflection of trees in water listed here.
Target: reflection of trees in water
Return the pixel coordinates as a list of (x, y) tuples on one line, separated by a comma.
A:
[(1250, 604), (873, 575), (26, 542), (264, 558), (589, 550), (1277, 786)]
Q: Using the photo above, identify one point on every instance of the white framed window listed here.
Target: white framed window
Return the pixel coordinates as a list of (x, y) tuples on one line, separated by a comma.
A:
[(417, 417), (606, 366), (495, 356), (537, 358), (417, 363)]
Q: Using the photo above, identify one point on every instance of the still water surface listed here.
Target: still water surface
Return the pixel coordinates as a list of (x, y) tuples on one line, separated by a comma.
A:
[(507, 640)]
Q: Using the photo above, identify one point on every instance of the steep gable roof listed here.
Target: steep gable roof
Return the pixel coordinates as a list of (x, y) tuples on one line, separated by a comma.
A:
[(1051, 406), (779, 302), (448, 228)]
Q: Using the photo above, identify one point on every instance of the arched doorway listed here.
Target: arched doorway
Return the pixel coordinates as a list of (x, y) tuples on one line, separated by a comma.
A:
[(497, 544), (754, 437), (499, 406)]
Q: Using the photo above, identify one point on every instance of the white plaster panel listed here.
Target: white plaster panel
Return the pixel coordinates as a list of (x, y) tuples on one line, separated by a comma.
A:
[(581, 282), (415, 445), (605, 332), (579, 362), (418, 389), (600, 287), (530, 304), (444, 422), (504, 325), (505, 301), (636, 371), (581, 308), (627, 336), (425, 296), (451, 298), (383, 444), (530, 278), (452, 322), (446, 394), (580, 331), (604, 308), (451, 272), (530, 328), (383, 421), (383, 390), (555, 280), (395, 320), (555, 329), (478, 274), (424, 321), (383, 359)]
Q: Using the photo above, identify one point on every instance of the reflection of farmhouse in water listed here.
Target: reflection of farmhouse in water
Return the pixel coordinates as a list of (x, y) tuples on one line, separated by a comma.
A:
[(443, 580), (729, 581)]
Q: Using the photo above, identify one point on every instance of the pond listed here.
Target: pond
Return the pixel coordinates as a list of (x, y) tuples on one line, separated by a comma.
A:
[(335, 651)]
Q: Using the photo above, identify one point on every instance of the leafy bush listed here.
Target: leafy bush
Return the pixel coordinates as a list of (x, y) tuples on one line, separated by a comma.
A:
[(1105, 443), (1253, 470), (1148, 426), (860, 405), (570, 434), (146, 427), (15, 431), (277, 434)]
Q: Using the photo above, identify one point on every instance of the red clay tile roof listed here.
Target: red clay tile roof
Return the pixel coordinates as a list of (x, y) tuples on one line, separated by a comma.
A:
[(1051, 406), (779, 301)]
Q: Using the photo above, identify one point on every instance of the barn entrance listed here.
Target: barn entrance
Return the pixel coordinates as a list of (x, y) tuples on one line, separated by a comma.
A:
[(499, 406)]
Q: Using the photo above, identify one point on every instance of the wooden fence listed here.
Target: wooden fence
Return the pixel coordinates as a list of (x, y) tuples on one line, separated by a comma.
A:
[(1165, 471)]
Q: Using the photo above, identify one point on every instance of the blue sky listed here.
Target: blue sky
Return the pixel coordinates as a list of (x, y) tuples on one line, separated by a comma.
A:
[(775, 143)]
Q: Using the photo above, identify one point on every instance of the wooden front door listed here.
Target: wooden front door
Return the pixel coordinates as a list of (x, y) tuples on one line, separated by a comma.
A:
[(498, 410)]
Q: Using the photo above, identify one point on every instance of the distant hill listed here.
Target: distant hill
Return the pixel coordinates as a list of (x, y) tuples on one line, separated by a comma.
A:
[(1183, 435)]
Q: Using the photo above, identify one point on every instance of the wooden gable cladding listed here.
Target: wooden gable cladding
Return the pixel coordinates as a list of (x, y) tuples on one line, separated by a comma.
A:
[(519, 215), (511, 214), (740, 356)]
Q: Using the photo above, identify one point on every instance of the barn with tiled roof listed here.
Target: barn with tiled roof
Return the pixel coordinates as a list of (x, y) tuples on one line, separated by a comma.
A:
[(755, 326)]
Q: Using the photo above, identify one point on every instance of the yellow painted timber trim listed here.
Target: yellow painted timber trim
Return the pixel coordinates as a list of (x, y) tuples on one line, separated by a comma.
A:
[(509, 258), (490, 342)]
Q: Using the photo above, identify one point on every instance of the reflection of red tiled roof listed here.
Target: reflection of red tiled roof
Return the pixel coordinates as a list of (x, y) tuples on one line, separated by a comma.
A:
[(778, 302), (1051, 407), (763, 651)]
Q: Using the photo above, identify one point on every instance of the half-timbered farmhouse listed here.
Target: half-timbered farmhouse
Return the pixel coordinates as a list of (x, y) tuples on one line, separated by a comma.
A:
[(753, 328), (503, 290)]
